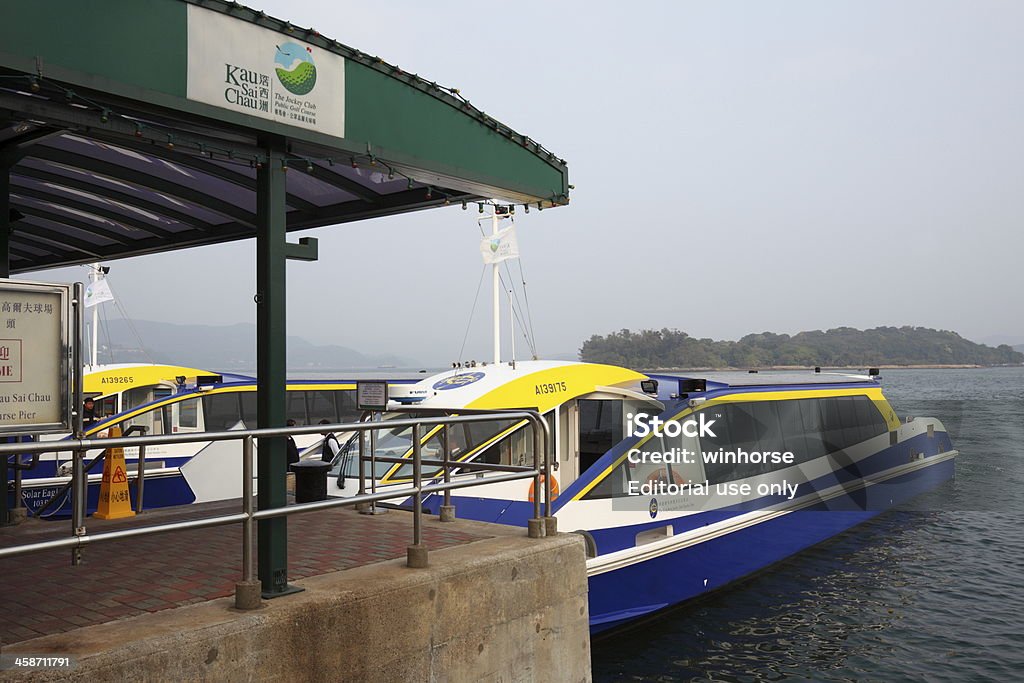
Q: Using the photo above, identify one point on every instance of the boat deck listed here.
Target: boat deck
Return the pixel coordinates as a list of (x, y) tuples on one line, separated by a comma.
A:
[(44, 594)]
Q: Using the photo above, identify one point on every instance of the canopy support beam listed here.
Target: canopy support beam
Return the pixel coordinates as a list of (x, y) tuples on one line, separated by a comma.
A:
[(272, 458)]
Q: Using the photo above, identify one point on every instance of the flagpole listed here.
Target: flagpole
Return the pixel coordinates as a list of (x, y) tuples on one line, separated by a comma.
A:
[(512, 327), (495, 292), (94, 275)]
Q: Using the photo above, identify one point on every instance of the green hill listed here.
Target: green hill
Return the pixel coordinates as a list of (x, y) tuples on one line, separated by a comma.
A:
[(843, 346)]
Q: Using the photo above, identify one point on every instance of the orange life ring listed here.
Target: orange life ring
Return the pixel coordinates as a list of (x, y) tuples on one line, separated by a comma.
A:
[(661, 475), (554, 488)]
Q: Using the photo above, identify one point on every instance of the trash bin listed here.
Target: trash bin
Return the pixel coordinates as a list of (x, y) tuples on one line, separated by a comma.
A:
[(310, 480)]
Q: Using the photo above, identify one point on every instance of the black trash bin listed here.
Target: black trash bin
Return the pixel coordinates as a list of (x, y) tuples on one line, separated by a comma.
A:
[(310, 480)]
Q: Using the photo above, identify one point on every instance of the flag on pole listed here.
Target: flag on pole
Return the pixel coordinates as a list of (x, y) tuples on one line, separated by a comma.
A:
[(97, 292), (501, 246)]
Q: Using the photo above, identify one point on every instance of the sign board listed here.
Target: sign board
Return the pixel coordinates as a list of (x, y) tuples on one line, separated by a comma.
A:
[(253, 70), (35, 357), (372, 395)]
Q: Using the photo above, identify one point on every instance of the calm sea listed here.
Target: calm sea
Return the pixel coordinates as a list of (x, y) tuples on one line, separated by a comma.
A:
[(932, 591)]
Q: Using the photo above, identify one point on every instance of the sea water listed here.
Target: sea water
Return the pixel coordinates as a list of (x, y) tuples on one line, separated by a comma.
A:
[(931, 591)]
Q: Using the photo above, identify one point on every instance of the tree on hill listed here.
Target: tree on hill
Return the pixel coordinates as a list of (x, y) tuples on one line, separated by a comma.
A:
[(841, 346)]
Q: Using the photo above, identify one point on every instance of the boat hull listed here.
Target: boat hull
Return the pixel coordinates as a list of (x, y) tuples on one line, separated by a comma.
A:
[(641, 588)]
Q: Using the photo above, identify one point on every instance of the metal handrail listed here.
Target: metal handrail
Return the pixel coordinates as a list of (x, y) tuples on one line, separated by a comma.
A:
[(249, 514)]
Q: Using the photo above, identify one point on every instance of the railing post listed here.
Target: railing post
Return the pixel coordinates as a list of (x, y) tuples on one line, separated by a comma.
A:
[(535, 526), (362, 507), (79, 491), (140, 474), (247, 591), (550, 521), (447, 509), (416, 554)]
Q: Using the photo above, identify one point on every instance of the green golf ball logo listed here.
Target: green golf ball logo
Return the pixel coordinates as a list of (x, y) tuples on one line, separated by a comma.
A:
[(295, 68)]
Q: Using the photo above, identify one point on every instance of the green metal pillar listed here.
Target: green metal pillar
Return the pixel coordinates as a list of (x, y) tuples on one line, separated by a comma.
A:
[(272, 459)]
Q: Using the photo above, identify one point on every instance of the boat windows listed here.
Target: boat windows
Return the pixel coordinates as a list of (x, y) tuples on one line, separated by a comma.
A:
[(222, 412), (809, 428), (462, 439), (226, 409)]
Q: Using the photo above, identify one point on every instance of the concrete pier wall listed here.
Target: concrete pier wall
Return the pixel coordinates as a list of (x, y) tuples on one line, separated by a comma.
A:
[(507, 608)]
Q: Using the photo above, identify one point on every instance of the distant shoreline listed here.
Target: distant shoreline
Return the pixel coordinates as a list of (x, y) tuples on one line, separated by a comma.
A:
[(835, 367)]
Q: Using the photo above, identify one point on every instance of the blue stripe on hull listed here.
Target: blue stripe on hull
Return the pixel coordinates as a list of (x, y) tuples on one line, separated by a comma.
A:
[(160, 492), (639, 589)]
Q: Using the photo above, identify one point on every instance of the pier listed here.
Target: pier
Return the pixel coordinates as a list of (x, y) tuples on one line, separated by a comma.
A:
[(492, 604)]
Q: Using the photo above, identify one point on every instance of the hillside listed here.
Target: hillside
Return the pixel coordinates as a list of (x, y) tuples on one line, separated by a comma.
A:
[(843, 346), (223, 347)]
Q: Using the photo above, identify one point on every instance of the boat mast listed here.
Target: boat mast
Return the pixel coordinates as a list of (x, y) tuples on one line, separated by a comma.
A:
[(512, 327), (94, 275), (496, 293)]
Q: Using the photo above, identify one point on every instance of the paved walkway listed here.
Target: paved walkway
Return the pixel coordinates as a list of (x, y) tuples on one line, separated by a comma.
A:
[(43, 594)]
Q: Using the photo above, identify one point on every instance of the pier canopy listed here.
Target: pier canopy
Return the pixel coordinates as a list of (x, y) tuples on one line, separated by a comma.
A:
[(132, 127)]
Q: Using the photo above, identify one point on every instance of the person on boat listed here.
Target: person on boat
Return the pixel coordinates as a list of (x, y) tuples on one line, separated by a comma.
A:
[(88, 412), (331, 445), (293, 450)]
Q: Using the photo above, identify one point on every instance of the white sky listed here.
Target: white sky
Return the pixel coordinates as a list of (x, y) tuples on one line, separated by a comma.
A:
[(740, 167)]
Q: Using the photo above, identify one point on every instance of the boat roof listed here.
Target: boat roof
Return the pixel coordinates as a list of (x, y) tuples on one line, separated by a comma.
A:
[(536, 384), (771, 378)]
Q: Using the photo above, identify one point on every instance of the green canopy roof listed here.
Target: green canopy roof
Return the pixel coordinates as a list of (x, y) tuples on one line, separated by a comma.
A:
[(132, 127)]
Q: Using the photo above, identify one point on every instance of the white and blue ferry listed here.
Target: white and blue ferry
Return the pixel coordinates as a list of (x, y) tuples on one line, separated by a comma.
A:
[(168, 399), (820, 452)]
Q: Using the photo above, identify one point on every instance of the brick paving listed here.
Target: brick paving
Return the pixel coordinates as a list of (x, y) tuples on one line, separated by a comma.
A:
[(43, 594)]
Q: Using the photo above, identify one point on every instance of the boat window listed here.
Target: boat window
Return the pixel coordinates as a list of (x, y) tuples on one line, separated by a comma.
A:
[(511, 450), (188, 413), (321, 406), (870, 418), (295, 407), (154, 420), (105, 407), (616, 483), (751, 426), (601, 427), (478, 433), (249, 409), (136, 397), (346, 400), (221, 412)]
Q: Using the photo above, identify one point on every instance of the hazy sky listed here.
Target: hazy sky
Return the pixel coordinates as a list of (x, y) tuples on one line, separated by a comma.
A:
[(740, 167)]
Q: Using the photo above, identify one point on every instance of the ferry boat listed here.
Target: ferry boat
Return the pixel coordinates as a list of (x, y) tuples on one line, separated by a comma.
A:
[(167, 399), (777, 462)]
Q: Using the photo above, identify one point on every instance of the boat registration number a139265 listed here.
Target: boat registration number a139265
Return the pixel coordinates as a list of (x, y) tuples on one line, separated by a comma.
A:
[(550, 388), (117, 380)]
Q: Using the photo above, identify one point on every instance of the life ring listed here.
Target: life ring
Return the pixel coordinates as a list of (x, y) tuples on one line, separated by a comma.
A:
[(554, 488), (661, 475)]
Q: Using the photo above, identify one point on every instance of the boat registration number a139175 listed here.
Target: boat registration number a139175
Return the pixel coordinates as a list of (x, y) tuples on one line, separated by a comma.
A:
[(550, 388)]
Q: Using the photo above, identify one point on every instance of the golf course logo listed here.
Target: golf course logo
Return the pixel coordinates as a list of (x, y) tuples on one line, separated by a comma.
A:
[(295, 68)]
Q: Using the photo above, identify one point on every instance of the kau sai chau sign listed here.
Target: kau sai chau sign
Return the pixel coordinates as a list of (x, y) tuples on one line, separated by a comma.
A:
[(253, 70), (35, 357)]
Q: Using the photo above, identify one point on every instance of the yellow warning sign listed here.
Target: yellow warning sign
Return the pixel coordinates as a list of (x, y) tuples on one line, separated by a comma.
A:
[(115, 501)]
